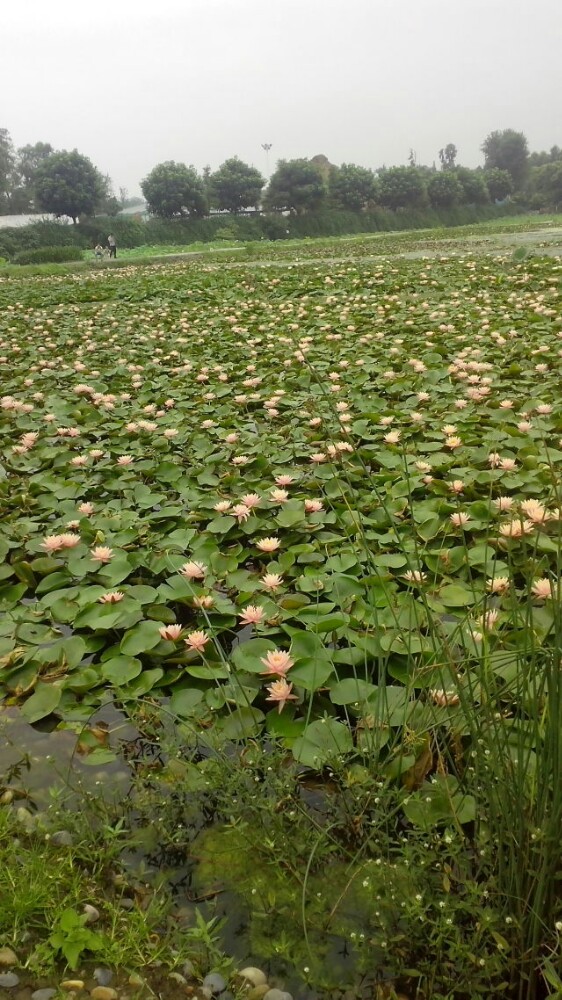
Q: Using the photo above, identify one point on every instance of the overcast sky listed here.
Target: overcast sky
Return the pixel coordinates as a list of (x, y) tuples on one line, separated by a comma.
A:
[(133, 82)]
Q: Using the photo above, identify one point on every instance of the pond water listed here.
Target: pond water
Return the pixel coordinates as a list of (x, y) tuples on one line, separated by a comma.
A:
[(37, 759)]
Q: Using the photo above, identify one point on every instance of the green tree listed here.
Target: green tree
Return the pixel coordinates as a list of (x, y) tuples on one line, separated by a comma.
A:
[(67, 183), (507, 150), (352, 187), (295, 185), (473, 183), (499, 183), (445, 190), (173, 189), (402, 187), (545, 186), (7, 171), (30, 158), (236, 185), (448, 156), (540, 159)]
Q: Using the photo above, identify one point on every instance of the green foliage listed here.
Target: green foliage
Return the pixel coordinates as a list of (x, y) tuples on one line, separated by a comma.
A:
[(507, 150), (352, 187), (545, 186), (295, 186), (48, 255), (72, 938), (236, 185), (445, 190), (67, 183), (474, 187), (174, 190), (7, 170), (448, 156), (402, 187), (499, 183)]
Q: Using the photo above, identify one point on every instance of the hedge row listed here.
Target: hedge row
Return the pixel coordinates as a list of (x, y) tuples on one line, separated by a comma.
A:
[(134, 233), (48, 255)]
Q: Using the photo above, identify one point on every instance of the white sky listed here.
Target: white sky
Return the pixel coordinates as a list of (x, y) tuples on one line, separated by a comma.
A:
[(133, 82)]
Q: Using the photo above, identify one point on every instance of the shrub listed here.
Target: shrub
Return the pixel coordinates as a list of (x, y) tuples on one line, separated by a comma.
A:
[(48, 255)]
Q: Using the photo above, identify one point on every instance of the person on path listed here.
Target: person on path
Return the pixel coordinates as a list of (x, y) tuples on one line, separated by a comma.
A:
[(112, 245), (98, 251)]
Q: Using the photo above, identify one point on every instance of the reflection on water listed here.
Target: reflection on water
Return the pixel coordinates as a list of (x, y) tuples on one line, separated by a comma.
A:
[(53, 759)]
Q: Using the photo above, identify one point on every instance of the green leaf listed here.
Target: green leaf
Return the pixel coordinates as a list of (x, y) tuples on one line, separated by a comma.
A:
[(456, 596), (141, 638), (439, 802), (311, 674), (121, 669), (242, 724), (321, 742), (185, 701), (352, 691), (42, 702), (248, 655)]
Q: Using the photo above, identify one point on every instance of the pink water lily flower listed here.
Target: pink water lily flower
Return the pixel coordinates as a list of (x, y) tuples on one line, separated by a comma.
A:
[(280, 692), (193, 570), (197, 641), (252, 615), (277, 662), (171, 632), (112, 597), (102, 554), (270, 544)]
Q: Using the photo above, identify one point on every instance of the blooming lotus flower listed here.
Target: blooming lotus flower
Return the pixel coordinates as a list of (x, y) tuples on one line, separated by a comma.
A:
[(205, 601), (445, 699), (193, 570), (272, 581), (459, 519), (415, 576), (489, 619), (240, 460), (284, 480), (503, 503), (102, 554), (52, 543), (69, 540), (277, 662), (252, 615), (112, 597), (498, 584), (313, 506), (393, 437), (241, 512), (422, 466), (535, 511), (251, 500), (125, 460), (542, 588), (222, 506), (197, 641), (457, 486), (280, 692), (318, 457), (453, 442), (508, 464), (171, 632), (268, 544), (516, 529), (278, 496)]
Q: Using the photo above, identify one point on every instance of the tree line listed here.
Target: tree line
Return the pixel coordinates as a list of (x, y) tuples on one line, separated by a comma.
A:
[(39, 178)]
